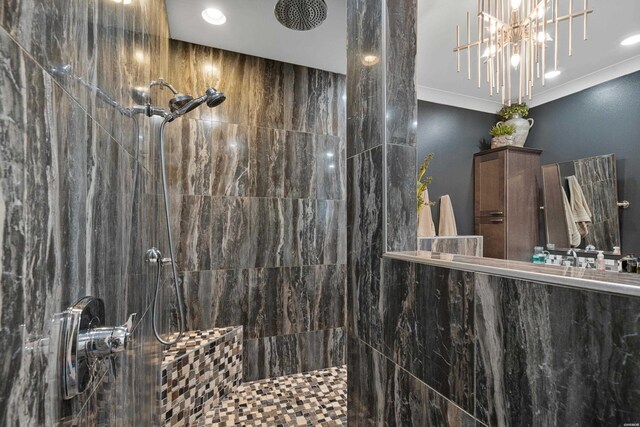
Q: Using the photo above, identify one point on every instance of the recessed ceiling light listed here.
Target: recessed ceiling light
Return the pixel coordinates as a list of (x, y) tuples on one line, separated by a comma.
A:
[(552, 74), (214, 16), (631, 40)]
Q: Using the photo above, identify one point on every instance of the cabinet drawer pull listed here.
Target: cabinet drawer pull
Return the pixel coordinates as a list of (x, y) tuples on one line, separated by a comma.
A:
[(497, 213), (497, 220)]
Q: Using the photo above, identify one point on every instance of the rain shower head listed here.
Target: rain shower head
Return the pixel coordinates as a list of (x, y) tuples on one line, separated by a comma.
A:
[(301, 15), (182, 104)]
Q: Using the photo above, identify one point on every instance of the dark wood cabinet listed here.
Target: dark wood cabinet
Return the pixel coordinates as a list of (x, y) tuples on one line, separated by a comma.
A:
[(506, 201)]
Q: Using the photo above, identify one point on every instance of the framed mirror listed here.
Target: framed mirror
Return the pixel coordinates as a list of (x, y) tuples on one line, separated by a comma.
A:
[(581, 204)]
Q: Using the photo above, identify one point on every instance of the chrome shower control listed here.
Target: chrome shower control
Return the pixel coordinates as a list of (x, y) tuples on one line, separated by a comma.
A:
[(103, 342), (86, 342), (154, 256)]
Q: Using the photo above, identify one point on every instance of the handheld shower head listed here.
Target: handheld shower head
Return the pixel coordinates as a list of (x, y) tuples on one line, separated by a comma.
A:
[(182, 104), (214, 98), (179, 101)]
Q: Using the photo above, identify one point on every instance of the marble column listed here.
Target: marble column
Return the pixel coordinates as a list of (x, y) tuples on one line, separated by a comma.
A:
[(381, 204)]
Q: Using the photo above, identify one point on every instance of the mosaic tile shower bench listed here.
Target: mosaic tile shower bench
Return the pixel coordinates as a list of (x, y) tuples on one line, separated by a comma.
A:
[(198, 372)]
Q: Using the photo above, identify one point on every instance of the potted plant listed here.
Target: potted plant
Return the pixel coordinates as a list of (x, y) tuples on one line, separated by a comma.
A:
[(423, 181), (502, 134), (514, 115)]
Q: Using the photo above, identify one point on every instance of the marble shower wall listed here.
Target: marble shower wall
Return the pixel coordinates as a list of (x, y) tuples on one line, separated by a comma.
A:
[(259, 207), (77, 186), (381, 204)]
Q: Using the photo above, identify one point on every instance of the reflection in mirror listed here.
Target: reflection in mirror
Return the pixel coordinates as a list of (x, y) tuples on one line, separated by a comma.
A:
[(581, 204)]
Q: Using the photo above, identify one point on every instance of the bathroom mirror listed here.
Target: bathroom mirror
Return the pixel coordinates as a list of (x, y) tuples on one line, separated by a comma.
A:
[(581, 203)]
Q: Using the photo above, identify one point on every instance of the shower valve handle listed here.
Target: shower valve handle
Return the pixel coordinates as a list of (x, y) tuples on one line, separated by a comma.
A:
[(153, 256)]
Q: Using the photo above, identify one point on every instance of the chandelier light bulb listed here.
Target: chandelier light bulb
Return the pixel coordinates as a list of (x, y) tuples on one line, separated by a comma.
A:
[(515, 4), (544, 37), (489, 51), (515, 60)]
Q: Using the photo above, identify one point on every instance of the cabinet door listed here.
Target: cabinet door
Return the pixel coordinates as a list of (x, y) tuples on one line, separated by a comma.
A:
[(493, 231), (490, 185)]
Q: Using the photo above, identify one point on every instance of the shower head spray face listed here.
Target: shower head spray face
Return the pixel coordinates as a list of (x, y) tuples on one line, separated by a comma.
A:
[(301, 15), (214, 98)]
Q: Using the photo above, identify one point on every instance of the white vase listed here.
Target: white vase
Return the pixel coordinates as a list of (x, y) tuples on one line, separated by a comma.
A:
[(501, 141), (522, 129)]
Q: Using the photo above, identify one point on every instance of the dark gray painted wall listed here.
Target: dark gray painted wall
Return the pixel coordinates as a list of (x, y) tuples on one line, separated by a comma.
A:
[(452, 135), (600, 120)]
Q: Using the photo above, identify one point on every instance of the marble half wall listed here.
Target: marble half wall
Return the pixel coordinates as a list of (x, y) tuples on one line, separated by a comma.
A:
[(459, 245), (259, 207), (76, 190), (499, 351)]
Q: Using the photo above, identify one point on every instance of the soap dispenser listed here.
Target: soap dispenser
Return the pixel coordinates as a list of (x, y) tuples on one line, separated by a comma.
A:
[(600, 264)]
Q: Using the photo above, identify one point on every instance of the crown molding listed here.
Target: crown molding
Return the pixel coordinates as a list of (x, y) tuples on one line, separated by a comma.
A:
[(603, 75), (456, 99)]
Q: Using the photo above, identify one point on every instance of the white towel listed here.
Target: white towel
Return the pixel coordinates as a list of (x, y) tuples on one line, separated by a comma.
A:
[(426, 228), (447, 225), (572, 227), (579, 207)]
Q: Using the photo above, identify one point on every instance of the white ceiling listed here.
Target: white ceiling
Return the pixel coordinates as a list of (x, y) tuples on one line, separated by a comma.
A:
[(251, 28)]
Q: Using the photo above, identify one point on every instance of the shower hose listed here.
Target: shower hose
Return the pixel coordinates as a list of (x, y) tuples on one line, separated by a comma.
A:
[(171, 254)]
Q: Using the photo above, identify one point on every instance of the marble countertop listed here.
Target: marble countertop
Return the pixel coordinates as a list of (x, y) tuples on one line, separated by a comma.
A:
[(615, 283)]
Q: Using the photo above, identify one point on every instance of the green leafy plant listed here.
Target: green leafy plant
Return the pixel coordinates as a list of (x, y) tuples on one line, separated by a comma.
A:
[(484, 144), (502, 129), (423, 182), (510, 111)]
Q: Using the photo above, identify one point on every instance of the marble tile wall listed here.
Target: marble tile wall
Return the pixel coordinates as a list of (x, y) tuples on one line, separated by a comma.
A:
[(76, 192), (499, 351), (259, 207), (381, 205)]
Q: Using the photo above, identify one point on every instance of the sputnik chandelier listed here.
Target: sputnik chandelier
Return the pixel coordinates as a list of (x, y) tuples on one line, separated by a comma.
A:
[(514, 34)]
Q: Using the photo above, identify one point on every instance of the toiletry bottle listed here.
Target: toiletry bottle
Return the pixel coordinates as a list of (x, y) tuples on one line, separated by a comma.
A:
[(600, 264), (537, 257), (632, 264), (623, 264)]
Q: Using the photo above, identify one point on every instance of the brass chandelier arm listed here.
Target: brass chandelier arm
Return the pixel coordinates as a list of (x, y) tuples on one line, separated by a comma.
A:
[(512, 39)]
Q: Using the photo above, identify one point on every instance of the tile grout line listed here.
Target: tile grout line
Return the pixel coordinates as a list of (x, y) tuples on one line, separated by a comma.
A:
[(421, 381)]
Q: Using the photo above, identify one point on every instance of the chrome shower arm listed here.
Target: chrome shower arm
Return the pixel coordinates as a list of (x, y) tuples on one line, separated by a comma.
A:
[(160, 82)]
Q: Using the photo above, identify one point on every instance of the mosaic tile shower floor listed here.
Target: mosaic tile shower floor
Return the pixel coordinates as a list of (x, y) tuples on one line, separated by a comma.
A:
[(317, 398)]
